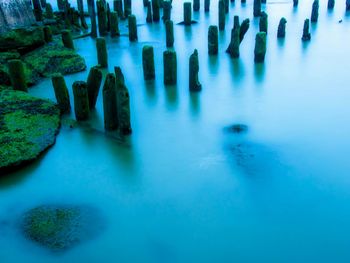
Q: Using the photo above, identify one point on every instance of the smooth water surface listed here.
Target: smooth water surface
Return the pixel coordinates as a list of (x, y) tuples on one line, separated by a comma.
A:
[(184, 189)]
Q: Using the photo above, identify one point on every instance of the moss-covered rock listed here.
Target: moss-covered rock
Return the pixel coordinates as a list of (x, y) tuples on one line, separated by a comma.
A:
[(53, 58), (22, 39), (61, 227), (28, 126)]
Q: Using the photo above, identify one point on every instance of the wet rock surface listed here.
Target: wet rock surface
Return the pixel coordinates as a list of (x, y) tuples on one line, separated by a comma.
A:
[(28, 126), (61, 227)]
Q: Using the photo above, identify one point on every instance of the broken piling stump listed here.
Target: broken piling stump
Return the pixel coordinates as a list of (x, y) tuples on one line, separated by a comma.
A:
[(61, 92), (132, 28), (263, 22), (306, 30), (187, 13), (81, 100), (93, 85), (67, 39), (17, 75), (281, 32), (110, 110), (148, 63), (194, 84), (114, 24), (314, 12), (102, 56), (213, 40), (170, 67), (169, 32), (260, 47)]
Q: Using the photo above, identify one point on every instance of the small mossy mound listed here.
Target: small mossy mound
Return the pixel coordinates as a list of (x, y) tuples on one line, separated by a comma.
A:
[(61, 227), (28, 126), (53, 58)]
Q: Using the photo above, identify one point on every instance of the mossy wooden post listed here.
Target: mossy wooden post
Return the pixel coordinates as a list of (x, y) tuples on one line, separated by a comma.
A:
[(194, 84), (314, 12), (81, 100), (347, 5), (243, 29), (145, 3), (295, 3), (102, 17), (93, 85), (67, 39), (61, 92), (114, 24), (227, 6), (149, 18), (118, 7), (257, 8), (38, 12), (127, 8), (110, 111), (132, 28), (330, 4), (169, 33), (236, 22), (82, 14), (281, 32), (306, 30), (221, 15), (102, 56), (263, 22), (187, 13), (123, 103), (166, 10), (170, 67), (260, 47), (148, 63), (47, 34), (233, 48), (49, 11), (206, 5), (17, 75), (155, 10), (196, 5), (213, 40), (92, 14)]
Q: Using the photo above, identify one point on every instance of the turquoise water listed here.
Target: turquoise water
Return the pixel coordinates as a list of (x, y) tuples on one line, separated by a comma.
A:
[(182, 188)]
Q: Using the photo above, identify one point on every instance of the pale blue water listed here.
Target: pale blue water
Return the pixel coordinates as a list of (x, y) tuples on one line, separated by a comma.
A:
[(181, 190)]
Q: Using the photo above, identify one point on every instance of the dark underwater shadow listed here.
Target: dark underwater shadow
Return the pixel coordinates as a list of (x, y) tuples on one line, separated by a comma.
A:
[(259, 72), (237, 70), (150, 86), (195, 105), (171, 96)]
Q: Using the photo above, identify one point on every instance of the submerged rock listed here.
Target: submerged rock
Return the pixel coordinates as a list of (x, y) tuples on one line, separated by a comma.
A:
[(28, 126), (61, 227)]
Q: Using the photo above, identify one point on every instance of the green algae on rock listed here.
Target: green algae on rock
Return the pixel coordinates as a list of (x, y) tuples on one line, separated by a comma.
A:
[(28, 126), (61, 227)]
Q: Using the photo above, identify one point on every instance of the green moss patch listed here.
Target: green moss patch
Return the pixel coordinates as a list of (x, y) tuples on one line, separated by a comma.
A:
[(28, 126)]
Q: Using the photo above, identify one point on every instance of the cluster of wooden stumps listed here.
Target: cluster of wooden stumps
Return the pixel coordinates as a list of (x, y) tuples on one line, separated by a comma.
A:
[(116, 102)]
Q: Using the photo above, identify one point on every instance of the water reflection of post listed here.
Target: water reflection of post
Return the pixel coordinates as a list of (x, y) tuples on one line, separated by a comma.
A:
[(195, 104)]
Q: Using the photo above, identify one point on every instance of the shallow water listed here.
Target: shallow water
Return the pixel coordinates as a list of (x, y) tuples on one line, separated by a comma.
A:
[(184, 189)]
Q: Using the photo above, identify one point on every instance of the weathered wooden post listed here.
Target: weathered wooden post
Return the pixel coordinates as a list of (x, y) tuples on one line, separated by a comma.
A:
[(166, 10), (49, 11), (196, 5), (61, 92), (257, 8), (206, 5), (67, 39), (110, 109), (221, 15), (81, 100), (102, 56), (213, 40), (127, 8), (81, 14), (93, 85), (227, 6), (38, 12), (314, 12), (118, 7), (243, 29), (17, 75), (148, 63), (155, 10), (149, 18), (102, 17), (187, 13), (123, 104), (260, 47), (170, 67), (92, 14), (47, 34), (330, 4), (233, 48), (194, 84), (114, 24), (347, 5), (132, 28), (108, 18), (169, 32), (281, 32), (263, 22), (295, 3), (306, 31)]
